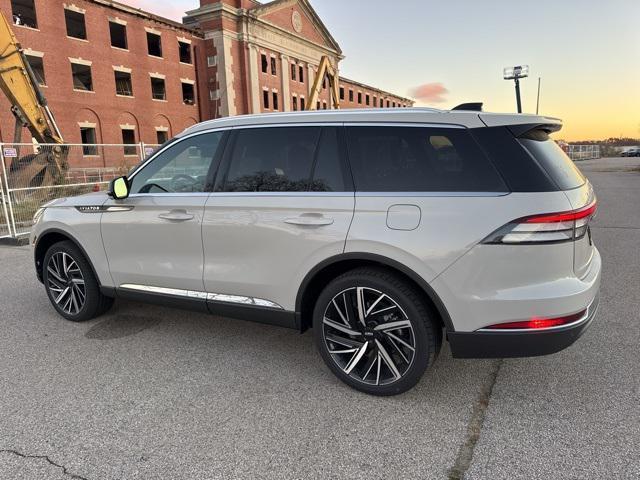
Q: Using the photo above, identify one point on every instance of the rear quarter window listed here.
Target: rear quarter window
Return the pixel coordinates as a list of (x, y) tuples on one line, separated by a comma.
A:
[(419, 159), (555, 162)]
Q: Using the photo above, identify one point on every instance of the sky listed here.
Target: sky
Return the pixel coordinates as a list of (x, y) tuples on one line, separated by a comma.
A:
[(586, 52)]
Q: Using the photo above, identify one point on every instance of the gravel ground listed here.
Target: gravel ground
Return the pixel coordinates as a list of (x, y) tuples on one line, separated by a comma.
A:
[(149, 392)]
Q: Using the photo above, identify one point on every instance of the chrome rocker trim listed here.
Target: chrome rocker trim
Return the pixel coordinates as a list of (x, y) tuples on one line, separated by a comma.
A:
[(212, 297)]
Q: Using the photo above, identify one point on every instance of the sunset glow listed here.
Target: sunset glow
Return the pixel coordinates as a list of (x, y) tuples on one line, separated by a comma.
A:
[(587, 53)]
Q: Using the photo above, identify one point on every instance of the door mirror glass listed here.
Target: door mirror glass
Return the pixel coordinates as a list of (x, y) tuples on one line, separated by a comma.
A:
[(119, 188)]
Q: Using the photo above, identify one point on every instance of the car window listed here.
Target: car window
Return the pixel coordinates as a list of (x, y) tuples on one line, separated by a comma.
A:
[(181, 168), (555, 162), (415, 159), (329, 173), (273, 159)]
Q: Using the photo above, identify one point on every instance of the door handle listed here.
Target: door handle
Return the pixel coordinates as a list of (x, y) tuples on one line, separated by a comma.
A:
[(309, 220), (177, 216)]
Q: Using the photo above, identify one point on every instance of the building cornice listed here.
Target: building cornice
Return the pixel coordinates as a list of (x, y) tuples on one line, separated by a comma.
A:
[(257, 23), (146, 15)]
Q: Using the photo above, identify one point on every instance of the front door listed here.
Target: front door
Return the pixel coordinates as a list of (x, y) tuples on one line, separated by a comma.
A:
[(283, 203), (154, 239)]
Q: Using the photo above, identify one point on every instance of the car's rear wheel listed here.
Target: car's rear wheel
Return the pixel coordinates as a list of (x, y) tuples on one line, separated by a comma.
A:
[(71, 284), (375, 332)]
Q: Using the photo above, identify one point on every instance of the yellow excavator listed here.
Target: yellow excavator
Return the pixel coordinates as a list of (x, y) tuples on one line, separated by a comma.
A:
[(29, 106), (325, 70)]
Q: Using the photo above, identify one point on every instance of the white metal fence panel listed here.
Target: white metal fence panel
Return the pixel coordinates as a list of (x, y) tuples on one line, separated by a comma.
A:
[(583, 152), (26, 184)]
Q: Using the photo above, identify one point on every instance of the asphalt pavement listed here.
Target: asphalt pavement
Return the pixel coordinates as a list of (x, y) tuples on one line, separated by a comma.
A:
[(147, 392)]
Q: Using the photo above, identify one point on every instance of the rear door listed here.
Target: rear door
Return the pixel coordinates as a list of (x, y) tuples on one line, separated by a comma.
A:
[(283, 203)]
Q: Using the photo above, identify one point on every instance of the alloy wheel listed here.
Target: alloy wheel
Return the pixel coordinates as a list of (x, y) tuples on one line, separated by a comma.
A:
[(369, 336), (66, 283)]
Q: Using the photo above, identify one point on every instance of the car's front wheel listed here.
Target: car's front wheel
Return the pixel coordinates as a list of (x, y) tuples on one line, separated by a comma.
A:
[(375, 332), (71, 284)]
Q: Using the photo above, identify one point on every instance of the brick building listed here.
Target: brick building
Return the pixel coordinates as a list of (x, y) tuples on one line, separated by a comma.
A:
[(263, 58), (116, 74)]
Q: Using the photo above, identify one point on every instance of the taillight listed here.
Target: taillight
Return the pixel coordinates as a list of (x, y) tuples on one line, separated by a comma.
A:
[(539, 322), (545, 228)]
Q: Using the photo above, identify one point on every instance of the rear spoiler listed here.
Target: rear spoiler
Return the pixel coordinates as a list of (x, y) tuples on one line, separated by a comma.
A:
[(535, 131)]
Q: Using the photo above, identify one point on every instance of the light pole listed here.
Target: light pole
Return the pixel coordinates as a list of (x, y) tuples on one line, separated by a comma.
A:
[(515, 74)]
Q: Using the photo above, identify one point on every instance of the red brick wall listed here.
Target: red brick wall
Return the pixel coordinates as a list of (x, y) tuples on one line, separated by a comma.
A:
[(71, 106), (372, 92)]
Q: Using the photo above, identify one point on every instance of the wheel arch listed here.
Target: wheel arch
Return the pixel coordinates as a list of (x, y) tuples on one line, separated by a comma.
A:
[(50, 237), (330, 268)]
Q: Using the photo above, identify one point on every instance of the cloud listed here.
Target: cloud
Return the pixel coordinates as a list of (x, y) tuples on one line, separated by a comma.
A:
[(173, 10), (429, 93)]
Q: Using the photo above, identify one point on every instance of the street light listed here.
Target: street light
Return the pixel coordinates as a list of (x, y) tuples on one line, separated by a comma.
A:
[(515, 74)]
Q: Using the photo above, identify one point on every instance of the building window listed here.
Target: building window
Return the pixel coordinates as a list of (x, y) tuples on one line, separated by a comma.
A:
[(318, 105), (37, 67), (351, 95), (154, 44), (123, 84), (212, 61), (301, 74), (188, 93), (375, 101), (162, 136), (295, 103), (213, 95), (265, 63), (274, 68), (388, 104), (275, 100), (341, 93), (265, 99), (118, 34), (394, 104), (324, 105), (367, 99), (24, 13), (129, 140), (294, 69), (158, 89), (81, 77), (359, 97), (302, 105), (76, 27), (88, 136), (185, 52)]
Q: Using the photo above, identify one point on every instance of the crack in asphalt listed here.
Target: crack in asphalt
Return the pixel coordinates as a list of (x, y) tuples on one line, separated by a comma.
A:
[(45, 457), (465, 454)]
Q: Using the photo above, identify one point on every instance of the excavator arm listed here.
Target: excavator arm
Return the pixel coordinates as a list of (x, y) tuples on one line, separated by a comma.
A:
[(30, 109), (325, 69)]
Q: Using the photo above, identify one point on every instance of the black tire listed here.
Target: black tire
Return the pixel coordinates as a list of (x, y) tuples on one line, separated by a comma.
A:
[(404, 304), (94, 304)]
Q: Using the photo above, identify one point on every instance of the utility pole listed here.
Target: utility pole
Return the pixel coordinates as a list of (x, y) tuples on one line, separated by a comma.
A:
[(516, 73), (538, 100)]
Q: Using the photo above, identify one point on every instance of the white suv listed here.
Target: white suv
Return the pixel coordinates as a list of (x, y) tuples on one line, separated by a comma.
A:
[(384, 230)]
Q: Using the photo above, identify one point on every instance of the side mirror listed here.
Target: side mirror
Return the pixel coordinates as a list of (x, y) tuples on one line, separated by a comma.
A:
[(119, 188)]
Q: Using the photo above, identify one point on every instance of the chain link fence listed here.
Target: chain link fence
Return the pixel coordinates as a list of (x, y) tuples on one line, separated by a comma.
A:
[(27, 180)]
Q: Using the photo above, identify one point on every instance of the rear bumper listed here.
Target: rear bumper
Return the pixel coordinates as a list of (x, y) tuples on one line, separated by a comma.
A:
[(529, 343)]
